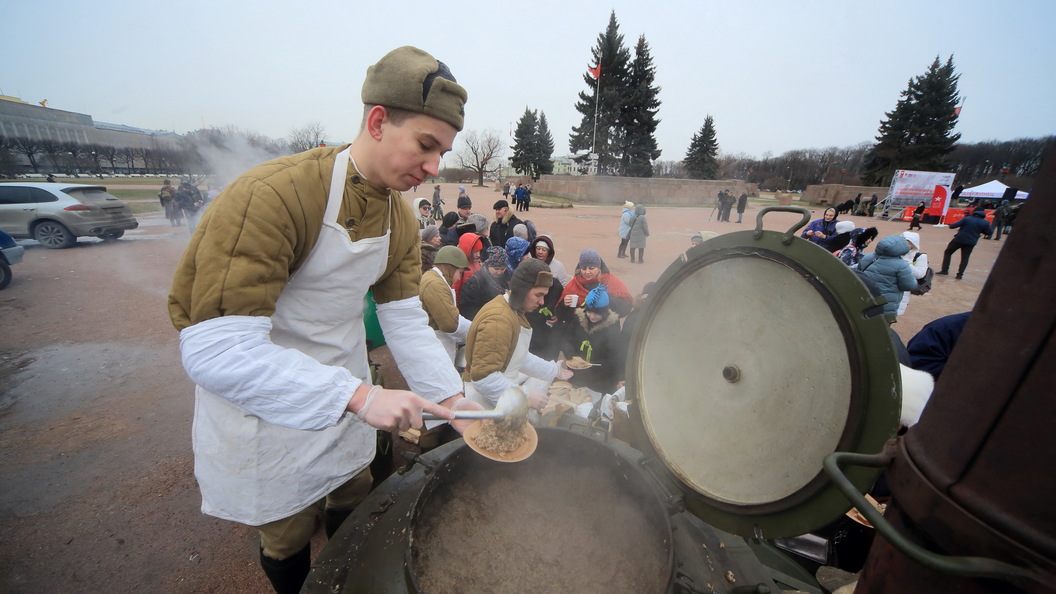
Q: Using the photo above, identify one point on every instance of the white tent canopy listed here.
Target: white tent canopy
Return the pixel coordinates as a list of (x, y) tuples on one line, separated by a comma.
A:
[(990, 190)]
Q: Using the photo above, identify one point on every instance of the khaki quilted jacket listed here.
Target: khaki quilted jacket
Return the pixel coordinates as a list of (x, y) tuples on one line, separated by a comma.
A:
[(438, 301), (262, 227), (492, 339)]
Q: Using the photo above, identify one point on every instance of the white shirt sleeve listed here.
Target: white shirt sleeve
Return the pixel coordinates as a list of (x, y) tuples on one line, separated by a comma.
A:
[(536, 367), (234, 358), (417, 351)]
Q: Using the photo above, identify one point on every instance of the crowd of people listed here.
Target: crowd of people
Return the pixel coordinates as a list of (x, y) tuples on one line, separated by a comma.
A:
[(580, 313)]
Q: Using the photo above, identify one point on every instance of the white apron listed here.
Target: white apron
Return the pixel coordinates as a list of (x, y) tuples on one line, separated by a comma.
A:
[(512, 371), (254, 472), (448, 341)]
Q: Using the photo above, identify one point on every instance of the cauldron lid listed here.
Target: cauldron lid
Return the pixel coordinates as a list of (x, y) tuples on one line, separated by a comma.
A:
[(758, 354)]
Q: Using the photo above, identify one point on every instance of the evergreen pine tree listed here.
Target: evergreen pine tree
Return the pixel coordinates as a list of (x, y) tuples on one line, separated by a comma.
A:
[(918, 133), (639, 115), (525, 144), (607, 93), (700, 161), (544, 148)]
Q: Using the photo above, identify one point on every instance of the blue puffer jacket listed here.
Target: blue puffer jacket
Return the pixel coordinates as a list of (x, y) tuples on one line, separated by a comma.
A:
[(889, 271), (625, 222), (971, 228)]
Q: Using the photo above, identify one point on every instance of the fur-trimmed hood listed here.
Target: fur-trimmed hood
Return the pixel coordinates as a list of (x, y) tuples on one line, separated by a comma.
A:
[(591, 328)]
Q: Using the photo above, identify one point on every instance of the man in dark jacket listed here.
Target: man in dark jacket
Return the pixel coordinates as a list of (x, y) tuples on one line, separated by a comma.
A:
[(505, 221), (968, 235)]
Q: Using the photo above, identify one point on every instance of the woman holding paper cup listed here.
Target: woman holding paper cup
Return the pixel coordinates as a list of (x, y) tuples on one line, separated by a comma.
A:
[(591, 272)]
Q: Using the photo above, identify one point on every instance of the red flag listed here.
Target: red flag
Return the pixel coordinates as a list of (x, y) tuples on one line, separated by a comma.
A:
[(595, 71)]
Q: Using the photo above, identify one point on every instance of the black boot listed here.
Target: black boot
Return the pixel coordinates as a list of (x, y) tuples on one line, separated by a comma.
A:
[(287, 576), (332, 520)]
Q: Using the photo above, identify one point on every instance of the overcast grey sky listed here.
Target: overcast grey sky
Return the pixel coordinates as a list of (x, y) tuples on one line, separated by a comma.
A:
[(775, 75)]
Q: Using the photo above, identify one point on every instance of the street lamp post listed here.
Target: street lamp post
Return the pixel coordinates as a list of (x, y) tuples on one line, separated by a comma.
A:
[(788, 187)]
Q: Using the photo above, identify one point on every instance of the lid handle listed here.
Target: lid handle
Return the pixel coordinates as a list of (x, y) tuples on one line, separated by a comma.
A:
[(791, 233)]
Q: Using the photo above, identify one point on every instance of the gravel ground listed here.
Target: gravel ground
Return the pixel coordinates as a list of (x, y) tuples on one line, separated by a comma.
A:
[(98, 491)]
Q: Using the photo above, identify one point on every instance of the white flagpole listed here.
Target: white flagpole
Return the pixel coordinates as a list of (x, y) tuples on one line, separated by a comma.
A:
[(597, 101)]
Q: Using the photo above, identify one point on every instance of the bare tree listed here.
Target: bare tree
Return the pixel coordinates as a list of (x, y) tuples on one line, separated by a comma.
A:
[(306, 137), (129, 154), (30, 147), (480, 153), (110, 154)]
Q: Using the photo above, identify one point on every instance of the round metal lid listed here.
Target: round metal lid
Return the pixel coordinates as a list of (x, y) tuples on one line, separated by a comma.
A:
[(757, 355)]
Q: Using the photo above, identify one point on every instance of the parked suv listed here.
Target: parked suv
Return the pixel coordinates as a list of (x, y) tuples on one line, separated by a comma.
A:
[(57, 214)]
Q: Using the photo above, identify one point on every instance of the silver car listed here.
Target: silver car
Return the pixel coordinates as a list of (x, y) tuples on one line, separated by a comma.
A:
[(57, 214)]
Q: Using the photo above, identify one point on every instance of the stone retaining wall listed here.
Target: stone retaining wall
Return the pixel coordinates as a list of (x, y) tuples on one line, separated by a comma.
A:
[(647, 190)]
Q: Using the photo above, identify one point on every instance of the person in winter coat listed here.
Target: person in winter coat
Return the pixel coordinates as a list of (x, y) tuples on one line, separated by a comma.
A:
[(918, 214), (891, 274), (268, 299), (492, 279), (851, 254), (505, 221), (544, 249), (189, 199), (918, 262), (1000, 219), (448, 231), (430, 245), (594, 334), (519, 196), (591, 272), (742, 205), (464, 208), (543, 320), (438, 298), (836, 242), (639, 233), (516, 250), (167, 197), (930, 348), (625, 228), (438, 204), (497, 345), (970, 228), (425, 212), (472, 246), (822, 228)]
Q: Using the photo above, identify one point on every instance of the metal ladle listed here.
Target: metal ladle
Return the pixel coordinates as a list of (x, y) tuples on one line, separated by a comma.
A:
[(512, 403)]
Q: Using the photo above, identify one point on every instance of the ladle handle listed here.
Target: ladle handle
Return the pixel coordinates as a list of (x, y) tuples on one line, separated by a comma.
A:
[(467, 414)]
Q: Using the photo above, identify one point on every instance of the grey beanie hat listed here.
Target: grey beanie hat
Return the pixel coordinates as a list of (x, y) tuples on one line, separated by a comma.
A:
[(411, 79), (429, 232)]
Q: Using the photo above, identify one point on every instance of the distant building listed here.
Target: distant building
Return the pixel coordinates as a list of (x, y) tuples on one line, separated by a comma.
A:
[(19, 119)]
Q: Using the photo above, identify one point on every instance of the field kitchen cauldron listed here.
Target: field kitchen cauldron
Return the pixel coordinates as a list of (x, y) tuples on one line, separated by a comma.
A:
[(734, 413)]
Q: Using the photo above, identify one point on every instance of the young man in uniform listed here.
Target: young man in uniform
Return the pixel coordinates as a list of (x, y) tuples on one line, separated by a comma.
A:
[(268, 299)]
